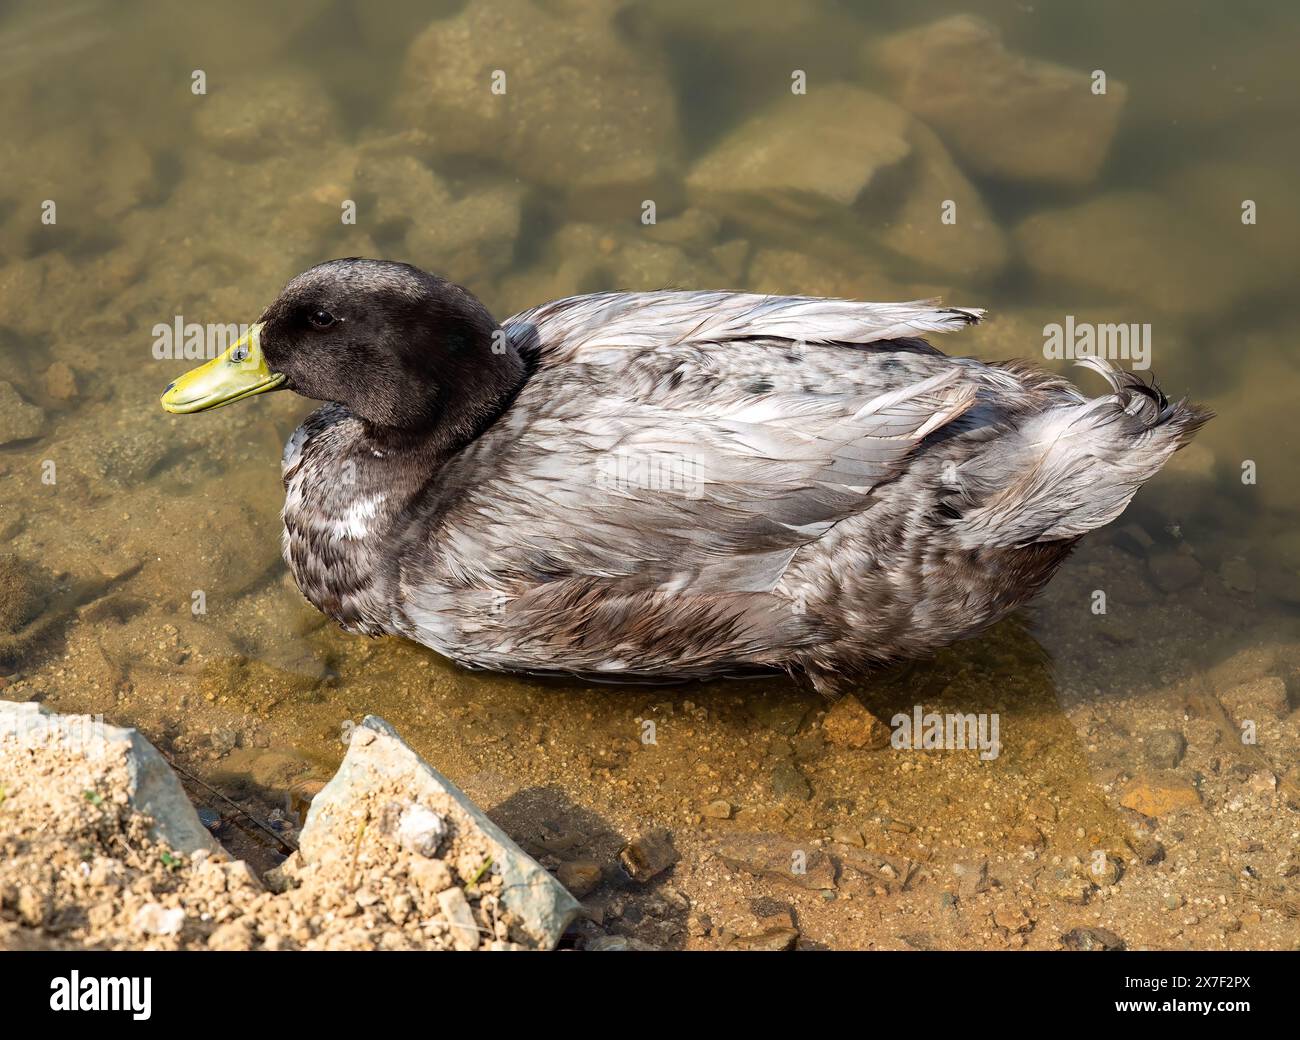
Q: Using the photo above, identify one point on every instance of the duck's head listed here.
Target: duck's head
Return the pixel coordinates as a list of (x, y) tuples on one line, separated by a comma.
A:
[(402, 349)]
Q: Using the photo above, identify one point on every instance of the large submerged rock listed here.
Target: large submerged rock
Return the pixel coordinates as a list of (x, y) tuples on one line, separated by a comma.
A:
[(267, 115), (558, 93), (1004, 115), (1135, 245), (806, 157), (971, 245), (471, 236)]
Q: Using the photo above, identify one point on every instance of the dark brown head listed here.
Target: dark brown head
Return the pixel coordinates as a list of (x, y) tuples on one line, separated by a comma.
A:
[(407, 352)]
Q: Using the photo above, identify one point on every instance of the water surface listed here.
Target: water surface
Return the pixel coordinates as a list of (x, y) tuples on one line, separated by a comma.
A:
[(172, 205)]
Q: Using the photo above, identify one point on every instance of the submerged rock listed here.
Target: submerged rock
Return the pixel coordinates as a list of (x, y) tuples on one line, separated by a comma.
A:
[(806, 157), (771, 940), (591, 258), (1134, 245), (648, 856), (1153, 794), (580, 876), (1092, 940), (127, 458), (973, 246), (1003, 114), (776, 34), (20, 599), (1262, 697), (274, 114), (849, 724), (788, 783), (802, 865), (789, 272), (471, 237), (227, 551), (619, 944), (576, 105), (19, 421), (61, 381), (1165, 748), (1238, 575), (1174, 571)]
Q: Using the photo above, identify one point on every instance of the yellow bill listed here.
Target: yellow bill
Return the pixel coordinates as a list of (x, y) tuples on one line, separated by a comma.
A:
[(238, 373)]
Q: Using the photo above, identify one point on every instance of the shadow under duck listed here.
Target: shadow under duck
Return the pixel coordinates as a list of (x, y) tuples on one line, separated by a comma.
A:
[(670, 485)]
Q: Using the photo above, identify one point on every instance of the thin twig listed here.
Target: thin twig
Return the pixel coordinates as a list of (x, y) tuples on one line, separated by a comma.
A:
[(282, 841)]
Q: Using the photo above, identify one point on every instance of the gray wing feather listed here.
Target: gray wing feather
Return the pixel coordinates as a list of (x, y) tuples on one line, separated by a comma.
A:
[(645, 380), (578, 326)]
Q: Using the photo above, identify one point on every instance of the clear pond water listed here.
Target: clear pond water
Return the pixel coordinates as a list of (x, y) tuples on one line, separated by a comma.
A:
[(166, 169)]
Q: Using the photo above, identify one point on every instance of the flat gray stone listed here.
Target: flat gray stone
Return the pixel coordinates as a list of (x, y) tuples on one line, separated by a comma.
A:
[(378, 756), (153, 788)]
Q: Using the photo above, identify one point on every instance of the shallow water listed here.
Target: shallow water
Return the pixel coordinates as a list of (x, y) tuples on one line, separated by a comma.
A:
[(176, 206)]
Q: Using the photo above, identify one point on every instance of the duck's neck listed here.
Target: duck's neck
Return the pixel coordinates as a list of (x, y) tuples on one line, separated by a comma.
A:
[(436, 409), (352, 485)]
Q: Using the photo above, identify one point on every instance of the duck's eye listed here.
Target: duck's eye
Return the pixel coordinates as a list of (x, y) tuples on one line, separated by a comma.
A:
[(321, 319)]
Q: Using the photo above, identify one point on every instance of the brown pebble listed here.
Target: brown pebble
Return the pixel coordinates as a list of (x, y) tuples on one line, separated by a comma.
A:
[(648, 856), (849, 724), (579, 876), (1153, 795), (61, 381)]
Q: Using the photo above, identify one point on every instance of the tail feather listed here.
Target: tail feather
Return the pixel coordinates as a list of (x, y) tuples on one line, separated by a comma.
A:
[(1075, 466)]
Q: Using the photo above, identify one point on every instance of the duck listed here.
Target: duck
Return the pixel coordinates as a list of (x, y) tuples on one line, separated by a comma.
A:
[(674, 485)]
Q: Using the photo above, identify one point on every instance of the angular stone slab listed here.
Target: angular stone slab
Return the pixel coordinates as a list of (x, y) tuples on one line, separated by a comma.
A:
[(543, 905), (153, 788)]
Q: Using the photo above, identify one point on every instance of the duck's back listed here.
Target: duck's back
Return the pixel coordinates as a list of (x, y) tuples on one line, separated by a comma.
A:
[(691, 483)]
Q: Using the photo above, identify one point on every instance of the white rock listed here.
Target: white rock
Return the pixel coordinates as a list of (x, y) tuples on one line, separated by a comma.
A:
[(156, 919), (456, 908), (421, 831)]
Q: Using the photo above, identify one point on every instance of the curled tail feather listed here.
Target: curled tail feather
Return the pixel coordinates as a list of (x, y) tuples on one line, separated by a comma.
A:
[(1075, 465)]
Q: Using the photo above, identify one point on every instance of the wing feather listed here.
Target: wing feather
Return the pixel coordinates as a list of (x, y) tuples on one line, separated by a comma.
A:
[(669, 439)]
